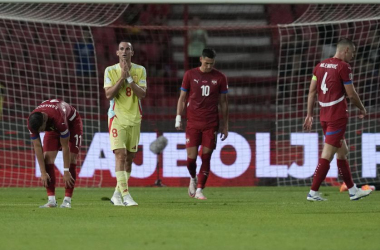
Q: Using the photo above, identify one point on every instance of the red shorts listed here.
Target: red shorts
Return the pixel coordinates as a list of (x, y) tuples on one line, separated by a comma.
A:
[(205, 137), (52, 138), (334, 131)]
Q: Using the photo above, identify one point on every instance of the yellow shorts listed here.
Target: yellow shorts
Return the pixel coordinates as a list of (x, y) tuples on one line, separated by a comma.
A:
[(122, 136)]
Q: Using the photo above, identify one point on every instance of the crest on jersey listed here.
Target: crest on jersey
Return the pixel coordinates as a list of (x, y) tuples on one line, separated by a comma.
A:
[(214, 82)]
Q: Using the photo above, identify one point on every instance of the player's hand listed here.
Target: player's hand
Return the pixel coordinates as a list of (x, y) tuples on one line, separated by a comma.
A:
[(124, 69), (69, 180), (224, 134), (308, 123), (363, 113), (45, 179), (178, 122)]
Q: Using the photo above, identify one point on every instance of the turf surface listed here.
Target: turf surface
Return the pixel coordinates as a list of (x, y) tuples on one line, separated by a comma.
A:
[(166, 218)]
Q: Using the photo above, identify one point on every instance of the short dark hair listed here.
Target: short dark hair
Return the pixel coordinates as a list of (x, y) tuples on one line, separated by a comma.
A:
[(210, 53), (345, 42), (36, 120), (124, 41)]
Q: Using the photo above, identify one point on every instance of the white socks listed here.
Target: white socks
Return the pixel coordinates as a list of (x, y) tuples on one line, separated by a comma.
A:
[(51, 199), (312, 193), (352, 190)]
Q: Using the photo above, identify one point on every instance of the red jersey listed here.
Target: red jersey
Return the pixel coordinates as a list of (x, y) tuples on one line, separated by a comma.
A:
[(331, 75), (202, 102), (59, 115)]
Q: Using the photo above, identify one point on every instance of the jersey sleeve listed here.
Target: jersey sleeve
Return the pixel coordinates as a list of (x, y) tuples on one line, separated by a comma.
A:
[(107, 78), (185, 82), (142, 81), (224, 85), (346, 74), (33, 135)]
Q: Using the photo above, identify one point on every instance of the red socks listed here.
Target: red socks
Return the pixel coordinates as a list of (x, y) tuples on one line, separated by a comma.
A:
[(192, 166), (50, 189), (205, 170), (345, 172), (73, 171), (320, 173)]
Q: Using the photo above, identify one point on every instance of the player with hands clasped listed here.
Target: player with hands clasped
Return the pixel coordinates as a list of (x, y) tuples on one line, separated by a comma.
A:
[(125, 85), (63, 131), (201, 91), (332, 80)]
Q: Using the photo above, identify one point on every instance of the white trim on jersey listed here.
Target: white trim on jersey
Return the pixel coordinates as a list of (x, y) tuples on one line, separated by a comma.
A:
[(328, 104), (74, 115)]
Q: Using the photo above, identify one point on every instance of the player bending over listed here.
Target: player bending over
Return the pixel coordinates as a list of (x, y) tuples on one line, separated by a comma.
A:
[(63, 131)]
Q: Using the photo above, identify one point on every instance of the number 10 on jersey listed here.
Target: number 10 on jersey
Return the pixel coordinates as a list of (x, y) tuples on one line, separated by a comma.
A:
[(205, 90)]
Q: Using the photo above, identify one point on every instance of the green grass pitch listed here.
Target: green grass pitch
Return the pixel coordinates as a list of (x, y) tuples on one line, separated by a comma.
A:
[(166, 218)]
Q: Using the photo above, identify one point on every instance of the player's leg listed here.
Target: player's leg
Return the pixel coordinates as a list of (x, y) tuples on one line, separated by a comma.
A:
[(209, 138), (344, 170), (332, 143), (50, 146), (133, 135), (118, 138), (76, 133), (193, 140), (127, 198), (343, 167), (117, 194)]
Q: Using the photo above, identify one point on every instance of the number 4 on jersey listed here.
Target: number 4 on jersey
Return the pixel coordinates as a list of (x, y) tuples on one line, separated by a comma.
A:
[(323, 86)]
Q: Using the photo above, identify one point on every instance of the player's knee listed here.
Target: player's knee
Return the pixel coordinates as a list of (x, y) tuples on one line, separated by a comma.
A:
[(192, 153), (129, 161), (121, 155), (342, 155)]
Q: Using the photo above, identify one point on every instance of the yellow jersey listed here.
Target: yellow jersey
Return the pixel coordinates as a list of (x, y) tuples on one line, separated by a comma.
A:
[(125, 105)]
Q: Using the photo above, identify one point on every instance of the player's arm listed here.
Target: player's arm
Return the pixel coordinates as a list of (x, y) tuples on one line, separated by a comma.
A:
[(180, 107), (139, 91), (111, 92), (69, 180), (45, 178), (310, 104), (225, 113), (355, 99)]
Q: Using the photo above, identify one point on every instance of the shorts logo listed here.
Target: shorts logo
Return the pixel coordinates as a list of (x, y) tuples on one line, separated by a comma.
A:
[(134, 147), (187, 140)]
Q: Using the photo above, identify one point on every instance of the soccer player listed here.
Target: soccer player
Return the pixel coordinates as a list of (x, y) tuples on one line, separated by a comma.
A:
[(64, 130), (125, 85), (202, 87), (332, 80)]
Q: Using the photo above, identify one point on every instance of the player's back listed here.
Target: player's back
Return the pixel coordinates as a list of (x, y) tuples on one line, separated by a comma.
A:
[(56, 107), (331, 75), (59, 115)]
